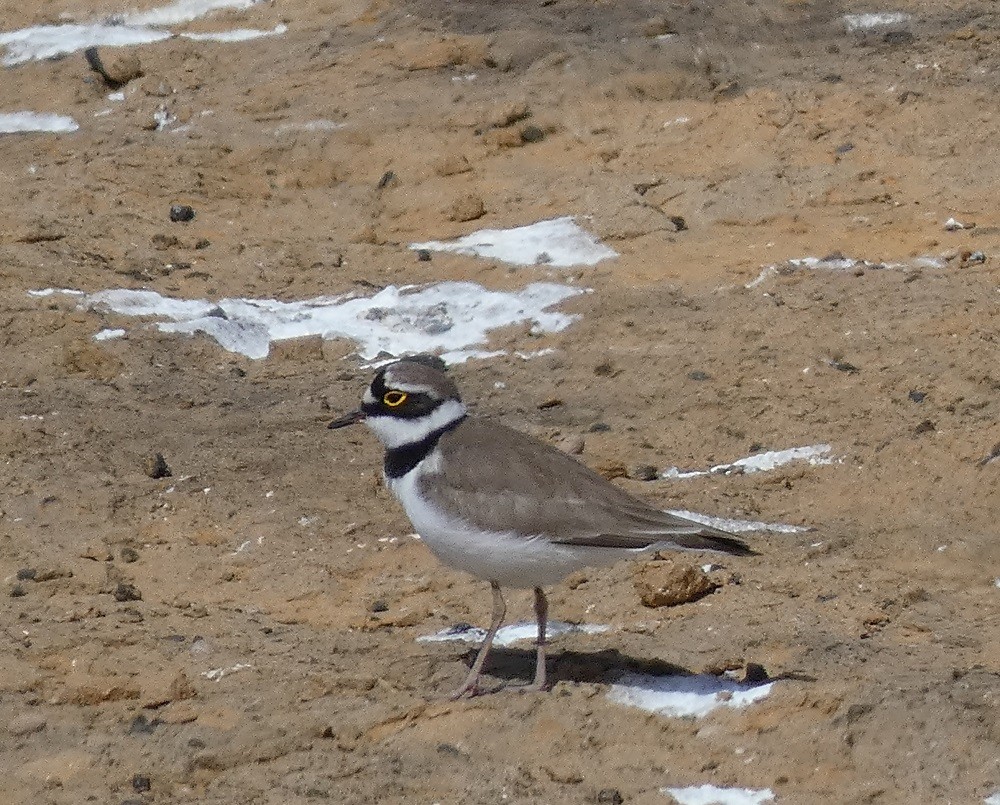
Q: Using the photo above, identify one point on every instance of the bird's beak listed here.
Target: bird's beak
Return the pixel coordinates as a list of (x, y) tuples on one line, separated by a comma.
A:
[(347, 419)]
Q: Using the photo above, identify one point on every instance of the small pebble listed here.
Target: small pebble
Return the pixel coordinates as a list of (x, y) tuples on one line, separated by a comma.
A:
[(609, 796), (917, 396), (467, 208), (755, 674), (141, 783), (925, 427), (18, 591), (127, 592), (680, 225), (600, 427), (388, 178), (379, 606), (574, 445), (181, 213), (423, 255), (697, 374), (26, 574)]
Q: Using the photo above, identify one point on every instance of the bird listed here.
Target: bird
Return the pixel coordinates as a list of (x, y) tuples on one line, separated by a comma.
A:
[(502, 506)]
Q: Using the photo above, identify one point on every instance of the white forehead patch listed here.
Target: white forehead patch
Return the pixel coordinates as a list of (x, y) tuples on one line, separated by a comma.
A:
[(413, 388)]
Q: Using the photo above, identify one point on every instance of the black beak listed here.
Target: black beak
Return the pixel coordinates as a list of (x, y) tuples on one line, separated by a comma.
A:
[(347, 419)]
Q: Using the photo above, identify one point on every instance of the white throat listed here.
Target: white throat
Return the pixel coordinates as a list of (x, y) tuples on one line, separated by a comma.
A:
[(395, 432)]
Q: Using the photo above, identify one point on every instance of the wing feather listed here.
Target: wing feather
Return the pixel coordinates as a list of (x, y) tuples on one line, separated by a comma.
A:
[(532, 488)]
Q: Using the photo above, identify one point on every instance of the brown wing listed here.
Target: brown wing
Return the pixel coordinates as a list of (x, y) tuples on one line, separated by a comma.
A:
[(530, 487)]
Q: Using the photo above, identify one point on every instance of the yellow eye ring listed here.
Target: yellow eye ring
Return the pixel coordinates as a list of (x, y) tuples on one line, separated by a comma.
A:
[(394, 399)]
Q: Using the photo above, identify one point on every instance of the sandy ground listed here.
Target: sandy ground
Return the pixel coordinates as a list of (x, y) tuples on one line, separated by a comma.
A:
[(244, 630)]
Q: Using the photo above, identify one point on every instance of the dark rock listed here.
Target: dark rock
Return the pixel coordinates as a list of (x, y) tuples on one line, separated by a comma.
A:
[(755, 674), (609, 796), (898, 38), (643, 472), (917, 396), (699, 375), (599, 427), (181, 213), (156, 466), (18, 591), (26, 574), (52, 573), (388, 179), (379, 606), (129, 555), (141, 783), (143, 726), (925, 427), (844, 366), (680, 225), (423, 255), (127, 592), (532, 134)]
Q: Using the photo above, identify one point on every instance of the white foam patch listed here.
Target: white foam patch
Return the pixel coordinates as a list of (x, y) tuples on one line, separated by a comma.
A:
[(237, 34), (816, 454), (993, 799), (109, 335), (448, 317), (514, 633), (837, 263), (18, 122), (881, 19), (684, 696), (181, 11), (714, 795), (557, 242), (49, 41), (140, 28), (309, 125), (738, 526)]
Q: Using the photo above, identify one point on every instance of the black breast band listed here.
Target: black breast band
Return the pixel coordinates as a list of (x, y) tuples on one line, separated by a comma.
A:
[(400, 460)]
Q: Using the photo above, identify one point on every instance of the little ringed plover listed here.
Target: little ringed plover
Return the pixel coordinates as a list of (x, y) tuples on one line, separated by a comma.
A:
[(503, 506)]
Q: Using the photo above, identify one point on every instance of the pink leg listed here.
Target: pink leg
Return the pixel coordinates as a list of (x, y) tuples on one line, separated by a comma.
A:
[(542, 614), (471, 684)]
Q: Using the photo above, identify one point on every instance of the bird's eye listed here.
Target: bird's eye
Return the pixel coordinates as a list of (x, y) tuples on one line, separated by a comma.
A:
[(394, 399)]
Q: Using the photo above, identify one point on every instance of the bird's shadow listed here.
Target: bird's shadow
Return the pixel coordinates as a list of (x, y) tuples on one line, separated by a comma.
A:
[(565, 665)]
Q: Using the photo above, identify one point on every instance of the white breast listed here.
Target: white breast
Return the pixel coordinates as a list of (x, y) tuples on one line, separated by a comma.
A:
[(509, 559)]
